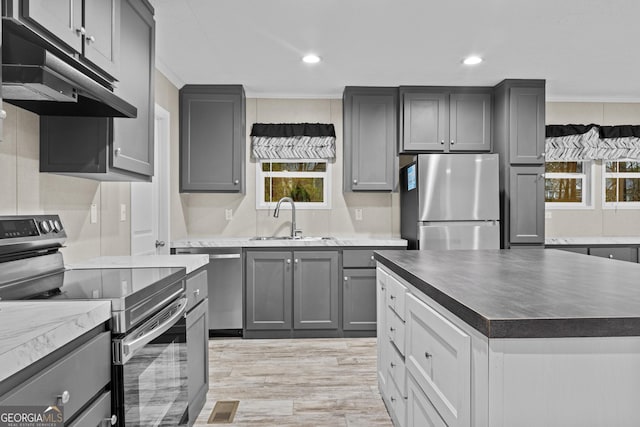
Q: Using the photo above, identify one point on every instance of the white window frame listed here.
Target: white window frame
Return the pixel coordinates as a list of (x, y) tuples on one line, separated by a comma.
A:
[(605, 175), (260, 175), (588, 186)]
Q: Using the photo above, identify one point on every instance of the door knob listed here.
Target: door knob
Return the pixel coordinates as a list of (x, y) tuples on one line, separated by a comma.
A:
[(160, 243)]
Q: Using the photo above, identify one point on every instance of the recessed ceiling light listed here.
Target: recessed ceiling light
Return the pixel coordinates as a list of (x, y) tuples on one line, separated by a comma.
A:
[(311, 59), (472, 60)]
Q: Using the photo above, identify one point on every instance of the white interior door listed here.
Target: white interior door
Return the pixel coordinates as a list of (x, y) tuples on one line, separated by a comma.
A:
[(150, 200)]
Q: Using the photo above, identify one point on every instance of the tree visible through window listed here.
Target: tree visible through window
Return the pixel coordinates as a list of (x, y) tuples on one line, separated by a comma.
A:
[(566, 183), (622, 183), (306, 182)]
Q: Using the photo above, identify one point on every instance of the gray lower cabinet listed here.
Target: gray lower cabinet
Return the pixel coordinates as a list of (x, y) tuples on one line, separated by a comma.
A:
[(89, 401), (370, 138), (291, 290), (445, 119), (197, 323), (212, 138), (359, 299), (526, 205), (111, 149)]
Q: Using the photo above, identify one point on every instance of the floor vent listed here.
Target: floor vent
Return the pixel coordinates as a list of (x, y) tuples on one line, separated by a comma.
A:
[(223, 412)]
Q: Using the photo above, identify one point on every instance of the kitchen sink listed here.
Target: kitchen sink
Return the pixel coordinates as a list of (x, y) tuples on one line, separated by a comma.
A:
[(299, 238)]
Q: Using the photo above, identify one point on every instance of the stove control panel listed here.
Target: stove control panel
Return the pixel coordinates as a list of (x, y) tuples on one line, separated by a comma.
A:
[(21, 227)]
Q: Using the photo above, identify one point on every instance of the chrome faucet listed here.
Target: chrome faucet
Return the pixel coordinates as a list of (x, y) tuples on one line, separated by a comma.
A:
[(276, 212)]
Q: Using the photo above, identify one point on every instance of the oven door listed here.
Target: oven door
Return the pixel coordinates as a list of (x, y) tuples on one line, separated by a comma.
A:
[(150, 371)]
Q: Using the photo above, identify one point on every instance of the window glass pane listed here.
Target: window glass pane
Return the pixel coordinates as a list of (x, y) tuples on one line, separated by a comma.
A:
[(563, 190), (611, 166), (298, 167), (629, 190), (564, 167), (629, 166), (299, 189), (611, 189), (266, 167)]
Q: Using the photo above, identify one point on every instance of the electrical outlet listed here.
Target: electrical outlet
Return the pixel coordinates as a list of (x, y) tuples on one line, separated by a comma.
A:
[(358, 214), (93, 213), (548, 215), (123, 212), (228, 214)]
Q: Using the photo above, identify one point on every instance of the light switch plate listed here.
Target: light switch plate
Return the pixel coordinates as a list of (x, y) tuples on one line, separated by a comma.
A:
[(358, 214), (228, 214), (123, 212), (93, 213)]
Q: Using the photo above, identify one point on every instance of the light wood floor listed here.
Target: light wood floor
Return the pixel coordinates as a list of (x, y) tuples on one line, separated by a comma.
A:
[(301, 382)]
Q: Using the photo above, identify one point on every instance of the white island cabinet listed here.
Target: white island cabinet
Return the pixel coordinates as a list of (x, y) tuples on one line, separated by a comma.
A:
[(499, 350)]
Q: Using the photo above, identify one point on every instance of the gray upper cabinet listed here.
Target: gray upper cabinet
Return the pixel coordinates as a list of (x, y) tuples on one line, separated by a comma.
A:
[(370, 138), (87, 30), (445, 119), (212, 138), (111, 149), (315, 290), (269, 281), (527, 121), (527, 205)]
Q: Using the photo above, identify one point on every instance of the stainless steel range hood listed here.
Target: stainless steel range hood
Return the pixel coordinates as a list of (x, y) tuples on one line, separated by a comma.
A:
[(37, 80)]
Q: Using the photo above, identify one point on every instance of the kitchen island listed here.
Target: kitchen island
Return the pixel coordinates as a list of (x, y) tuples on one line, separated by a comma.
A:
[(508, 338)]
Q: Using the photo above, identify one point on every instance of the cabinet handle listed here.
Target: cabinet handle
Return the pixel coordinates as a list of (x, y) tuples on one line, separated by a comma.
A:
[(196, 292), (393, 365), (610, 256), (393, 399), (81, 31), (452, 142), (543, 154), (392, 329), (541, 175), (428, 355), (117, 151), (346, 278), (355, 181), (3, 114), (372, 258), (295, 260), (236, 182), (288, 260), (64, 398), (442, 141), (392, 297), (90, 39), (111, 421)]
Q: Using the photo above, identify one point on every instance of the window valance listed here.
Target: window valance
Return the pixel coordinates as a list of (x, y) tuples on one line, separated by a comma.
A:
[(592, 142), (293, 141)]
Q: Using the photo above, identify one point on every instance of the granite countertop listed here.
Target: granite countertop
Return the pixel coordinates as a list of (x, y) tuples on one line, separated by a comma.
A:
[(246, 242), (189, 262), (30, 330), (527, 293), (595, 240)]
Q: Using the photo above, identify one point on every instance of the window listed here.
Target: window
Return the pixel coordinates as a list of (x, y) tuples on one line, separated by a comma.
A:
[(621, 184), (307, 182), (567, 184)]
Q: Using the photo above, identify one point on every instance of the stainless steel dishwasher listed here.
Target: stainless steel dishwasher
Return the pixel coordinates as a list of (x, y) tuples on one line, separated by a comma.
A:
[(224, 279)]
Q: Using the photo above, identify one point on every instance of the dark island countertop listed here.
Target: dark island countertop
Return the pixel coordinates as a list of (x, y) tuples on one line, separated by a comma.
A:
[(527, 293)]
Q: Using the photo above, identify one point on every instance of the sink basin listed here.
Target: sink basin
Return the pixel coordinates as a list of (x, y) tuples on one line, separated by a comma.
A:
[(300, 238)]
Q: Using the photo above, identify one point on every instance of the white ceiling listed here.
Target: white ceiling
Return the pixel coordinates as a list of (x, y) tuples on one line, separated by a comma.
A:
[(587, 50)]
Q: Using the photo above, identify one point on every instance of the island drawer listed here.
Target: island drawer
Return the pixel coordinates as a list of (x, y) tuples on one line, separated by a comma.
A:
[(396, 296), (620, 253), (196, 288), (438, 355), (420, 410), (395, 330), (397, 403), (395, 368), (358, 258), (79, 375), (96, 414)]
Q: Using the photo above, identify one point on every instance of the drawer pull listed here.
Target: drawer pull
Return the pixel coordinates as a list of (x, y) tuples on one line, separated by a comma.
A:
[(393, 365), (196, 292), (610, 256), (393, 399), (64, 398), (392, 329), (392, 297), (111, 421), (428, 355), (372, 258)]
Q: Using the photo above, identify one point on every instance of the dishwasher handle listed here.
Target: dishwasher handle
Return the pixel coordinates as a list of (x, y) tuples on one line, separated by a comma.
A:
[(224, 256)]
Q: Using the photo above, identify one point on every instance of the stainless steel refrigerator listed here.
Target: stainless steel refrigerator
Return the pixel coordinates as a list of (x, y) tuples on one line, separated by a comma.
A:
[(450, 201)]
